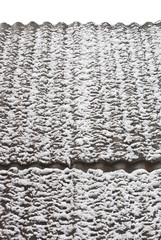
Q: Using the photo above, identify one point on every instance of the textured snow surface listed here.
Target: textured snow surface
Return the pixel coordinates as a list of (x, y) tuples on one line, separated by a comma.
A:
[(70, 204), (80, 93)]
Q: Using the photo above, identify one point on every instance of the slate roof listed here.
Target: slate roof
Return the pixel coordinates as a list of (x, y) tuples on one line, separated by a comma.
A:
[(73, 97), (80, 93)]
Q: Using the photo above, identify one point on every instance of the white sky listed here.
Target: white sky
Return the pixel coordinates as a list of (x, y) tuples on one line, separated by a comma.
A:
[(67, 11)]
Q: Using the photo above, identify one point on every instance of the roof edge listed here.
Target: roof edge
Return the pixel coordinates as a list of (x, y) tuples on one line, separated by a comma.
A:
[(19, 25)]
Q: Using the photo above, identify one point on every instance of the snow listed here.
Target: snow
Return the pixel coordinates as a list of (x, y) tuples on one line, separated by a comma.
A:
[(80, 92), (71, 204)]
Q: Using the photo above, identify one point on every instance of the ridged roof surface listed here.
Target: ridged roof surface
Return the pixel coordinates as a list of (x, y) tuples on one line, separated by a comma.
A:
[(73, 205), (80, 93), (82, 96)]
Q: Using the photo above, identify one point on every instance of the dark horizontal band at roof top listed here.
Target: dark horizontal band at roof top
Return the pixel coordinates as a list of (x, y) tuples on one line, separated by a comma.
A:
[(19, 25)]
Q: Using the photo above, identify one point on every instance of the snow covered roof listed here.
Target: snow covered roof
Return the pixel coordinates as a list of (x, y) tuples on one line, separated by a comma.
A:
[(80, 96), (80, 93), (70, 204)]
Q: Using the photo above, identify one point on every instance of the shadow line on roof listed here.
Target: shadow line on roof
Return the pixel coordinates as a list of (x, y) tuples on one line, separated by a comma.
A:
[(104, 166)]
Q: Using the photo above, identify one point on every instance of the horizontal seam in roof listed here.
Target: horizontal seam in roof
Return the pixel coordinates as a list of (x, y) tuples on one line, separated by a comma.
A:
[(104, 166)]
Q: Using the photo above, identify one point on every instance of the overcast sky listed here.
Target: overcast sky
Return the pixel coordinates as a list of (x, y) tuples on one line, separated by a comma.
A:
[(67, 11)]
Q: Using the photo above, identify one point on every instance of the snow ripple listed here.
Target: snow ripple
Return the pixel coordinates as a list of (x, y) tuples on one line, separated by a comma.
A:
[(71, 204), (80, 93)]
